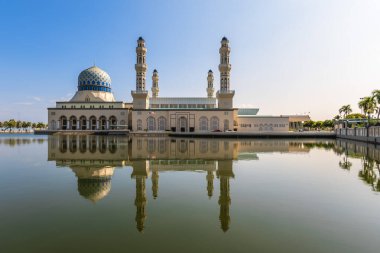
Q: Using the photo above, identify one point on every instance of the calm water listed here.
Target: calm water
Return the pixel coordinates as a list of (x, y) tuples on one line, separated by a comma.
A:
[(112, 194)]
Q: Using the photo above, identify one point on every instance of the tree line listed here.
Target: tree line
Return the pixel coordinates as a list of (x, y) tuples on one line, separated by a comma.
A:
[(12, 124)]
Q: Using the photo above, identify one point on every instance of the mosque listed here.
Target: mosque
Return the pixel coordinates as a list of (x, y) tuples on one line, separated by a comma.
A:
[(94, 108)]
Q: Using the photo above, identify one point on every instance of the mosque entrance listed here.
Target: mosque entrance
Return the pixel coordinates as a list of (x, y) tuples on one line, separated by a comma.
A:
[(183, 124)]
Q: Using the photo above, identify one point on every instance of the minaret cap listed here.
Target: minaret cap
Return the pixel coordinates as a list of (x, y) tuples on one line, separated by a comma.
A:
[(210, 71), (140, 39), (224, 39)]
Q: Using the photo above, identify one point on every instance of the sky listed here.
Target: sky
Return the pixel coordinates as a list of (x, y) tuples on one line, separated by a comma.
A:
[(287, 56)]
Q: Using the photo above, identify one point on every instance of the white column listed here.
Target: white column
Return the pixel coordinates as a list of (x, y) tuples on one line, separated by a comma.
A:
[(88, 124), (107, 124)]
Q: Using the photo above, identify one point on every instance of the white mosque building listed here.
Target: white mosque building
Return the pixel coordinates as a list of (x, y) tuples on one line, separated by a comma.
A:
[(94, 108)]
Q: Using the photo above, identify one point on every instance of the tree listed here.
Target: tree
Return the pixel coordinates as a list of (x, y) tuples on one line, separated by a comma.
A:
[(328, 123), (1, 124), (376, 97), (11, 123), (345, 109), (308, 123), (368, 105)]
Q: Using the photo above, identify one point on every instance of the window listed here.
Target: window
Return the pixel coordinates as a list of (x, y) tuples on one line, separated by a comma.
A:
[(161, 123), (214, 123), (139, 125), (151, 123), (203, 123)]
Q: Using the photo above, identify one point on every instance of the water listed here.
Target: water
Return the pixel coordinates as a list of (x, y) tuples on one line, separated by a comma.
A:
[(113, 194)]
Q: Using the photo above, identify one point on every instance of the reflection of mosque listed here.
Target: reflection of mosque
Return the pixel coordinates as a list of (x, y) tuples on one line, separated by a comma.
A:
[(94, 158)]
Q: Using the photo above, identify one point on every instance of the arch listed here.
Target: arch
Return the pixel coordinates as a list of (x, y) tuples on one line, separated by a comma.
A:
[(112, 146), (62, 144), (82, 123), (162, 146), (92, 143), (92, 123), (102, 144), (203, 123), (214, 146), (151, 146), (139, 125), (73, 123), (203, 146), (161, 123), (151, 123), (182, 124), (112, 122), (214, 123), (63, 121), (82, 143), (226, 125), (73, 143), (103, 123), (182, 146)]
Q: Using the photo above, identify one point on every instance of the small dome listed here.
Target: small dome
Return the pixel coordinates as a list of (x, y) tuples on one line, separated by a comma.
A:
[(94, 78), (155, 70), (210, 71), (141, 39), (224, 39)]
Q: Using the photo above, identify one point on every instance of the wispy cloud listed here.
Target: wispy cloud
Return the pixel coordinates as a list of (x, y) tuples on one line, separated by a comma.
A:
[(23, 103), (37, 99)]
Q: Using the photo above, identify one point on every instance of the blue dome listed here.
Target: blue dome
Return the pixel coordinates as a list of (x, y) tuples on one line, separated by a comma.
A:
[(94, 79)]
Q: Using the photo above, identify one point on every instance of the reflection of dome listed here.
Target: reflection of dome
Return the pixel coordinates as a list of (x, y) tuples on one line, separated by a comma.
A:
[(94, 85), (93, 183), (94, 189)]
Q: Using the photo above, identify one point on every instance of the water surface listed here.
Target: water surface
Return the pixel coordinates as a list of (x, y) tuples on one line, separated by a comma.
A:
[(115, 194)]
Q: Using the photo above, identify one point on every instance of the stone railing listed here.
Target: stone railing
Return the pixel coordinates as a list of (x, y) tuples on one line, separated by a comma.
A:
[(370, 134)]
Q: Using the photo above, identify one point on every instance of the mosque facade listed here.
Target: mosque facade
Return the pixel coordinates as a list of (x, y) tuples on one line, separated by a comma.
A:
[(94, 108)]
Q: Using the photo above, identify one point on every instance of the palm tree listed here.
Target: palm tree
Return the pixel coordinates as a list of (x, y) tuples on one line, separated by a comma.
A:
[(345, 109), (376, 96), (368, 105)]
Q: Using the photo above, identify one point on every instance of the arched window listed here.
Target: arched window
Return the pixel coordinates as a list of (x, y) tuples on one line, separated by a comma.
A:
[(113, 122), (103, 123), (151, 123), (203, 123), (162, 123), (73, 122), (139, 125), (82, 123), (63, 122), (92, 123), (214, 123)]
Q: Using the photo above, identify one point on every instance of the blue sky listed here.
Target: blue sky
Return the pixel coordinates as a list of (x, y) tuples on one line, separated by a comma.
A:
[(288, 56)]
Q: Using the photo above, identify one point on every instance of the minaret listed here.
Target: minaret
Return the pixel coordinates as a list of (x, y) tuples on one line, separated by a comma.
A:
[(225, 95), (155, 177), (140, 95), (155, 88), (210, 84), (140, 173), (224, 174), (210, 183)]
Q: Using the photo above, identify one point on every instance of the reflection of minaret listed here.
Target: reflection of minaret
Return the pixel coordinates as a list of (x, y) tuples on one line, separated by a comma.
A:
[(224, 173), (140, 174), (155, 177), (210, 183)]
